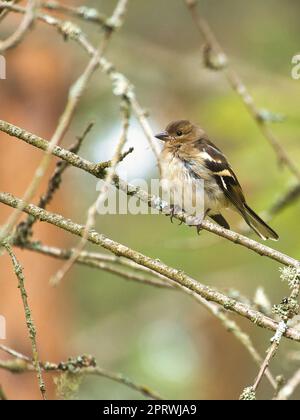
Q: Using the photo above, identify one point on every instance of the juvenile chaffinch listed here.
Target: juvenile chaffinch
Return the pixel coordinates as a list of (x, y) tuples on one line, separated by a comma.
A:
[(189, 160)]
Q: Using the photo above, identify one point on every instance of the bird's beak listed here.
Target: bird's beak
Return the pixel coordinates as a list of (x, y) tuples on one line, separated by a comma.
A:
[(164, 135)]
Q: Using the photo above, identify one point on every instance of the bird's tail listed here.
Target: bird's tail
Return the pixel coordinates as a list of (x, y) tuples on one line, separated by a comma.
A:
[(257, 224)]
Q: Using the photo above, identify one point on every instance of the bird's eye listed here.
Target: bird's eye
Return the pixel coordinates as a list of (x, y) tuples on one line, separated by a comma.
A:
[(179, 133)]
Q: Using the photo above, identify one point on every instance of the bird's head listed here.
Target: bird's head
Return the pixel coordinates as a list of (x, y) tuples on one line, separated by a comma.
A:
[(180, 131)]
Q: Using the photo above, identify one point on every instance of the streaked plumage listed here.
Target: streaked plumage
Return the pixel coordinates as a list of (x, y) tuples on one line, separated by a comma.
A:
[(189, 157)]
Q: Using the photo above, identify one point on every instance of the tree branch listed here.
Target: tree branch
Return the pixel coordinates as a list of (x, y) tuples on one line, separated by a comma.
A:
[(82, 365), (88, 14), (153, 201), (75, 94), (121, 85), (285, 200), (24, 27), (28, 316), (110, 263), (176, 275), (24, 229), (92, 211), (287, 391)]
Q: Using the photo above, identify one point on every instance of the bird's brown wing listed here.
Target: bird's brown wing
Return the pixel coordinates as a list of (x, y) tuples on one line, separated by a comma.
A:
[(208, 155)]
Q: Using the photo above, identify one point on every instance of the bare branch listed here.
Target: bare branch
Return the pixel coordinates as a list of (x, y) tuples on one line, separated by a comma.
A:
[(270, 354), (2, 394), (28, 316), (102, 262), (14, 353), (88, 14), (4, 12), (285, 200), (23, 28), (290, 387)]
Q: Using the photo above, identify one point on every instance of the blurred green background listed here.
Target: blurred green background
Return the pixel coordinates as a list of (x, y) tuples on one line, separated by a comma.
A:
[(158, 337)]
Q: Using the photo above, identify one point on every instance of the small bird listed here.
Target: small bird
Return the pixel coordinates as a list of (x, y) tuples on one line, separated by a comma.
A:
[(189, 160)]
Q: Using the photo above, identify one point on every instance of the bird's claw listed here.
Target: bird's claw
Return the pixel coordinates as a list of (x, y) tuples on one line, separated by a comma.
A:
[(174, 210), (199, 229)]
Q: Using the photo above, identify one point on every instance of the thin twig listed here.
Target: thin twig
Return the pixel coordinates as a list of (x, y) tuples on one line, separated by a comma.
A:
[(92, 211), (3, 396), (28, 316), (176, 275), (105, 264), (290, 387), (287, 310), (270, 354), (88, 14), (285, 200), (4, 12), (23, 28), (96, 169), (239, 87), (14, 353), (24, 229), (142, 117)]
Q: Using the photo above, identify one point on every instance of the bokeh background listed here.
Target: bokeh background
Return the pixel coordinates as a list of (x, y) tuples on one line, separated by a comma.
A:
[(160, 338)]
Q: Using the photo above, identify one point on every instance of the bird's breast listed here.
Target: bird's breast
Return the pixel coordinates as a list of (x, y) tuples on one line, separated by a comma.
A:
[(194, 191)]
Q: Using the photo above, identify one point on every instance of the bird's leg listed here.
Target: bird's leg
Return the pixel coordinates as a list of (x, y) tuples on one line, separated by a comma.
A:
[(199, 227), (174, 210)]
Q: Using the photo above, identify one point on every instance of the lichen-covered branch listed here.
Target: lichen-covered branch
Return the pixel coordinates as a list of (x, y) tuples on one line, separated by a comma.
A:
[(287, 310), (79, 366), (171, 273), (28, 316), (110, 264), (152, 201)]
